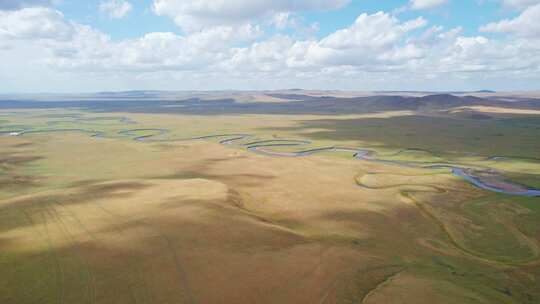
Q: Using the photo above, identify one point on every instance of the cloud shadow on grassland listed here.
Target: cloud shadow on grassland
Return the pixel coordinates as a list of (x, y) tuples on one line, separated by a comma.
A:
[(41, 204), (512, 137)]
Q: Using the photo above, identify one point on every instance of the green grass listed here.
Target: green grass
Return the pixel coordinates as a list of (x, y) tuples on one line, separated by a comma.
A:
[(493, 284), (442, 135), (488, 232), (530, 180)]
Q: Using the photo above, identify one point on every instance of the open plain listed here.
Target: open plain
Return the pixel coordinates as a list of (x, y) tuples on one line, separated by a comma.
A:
[(271, 197)]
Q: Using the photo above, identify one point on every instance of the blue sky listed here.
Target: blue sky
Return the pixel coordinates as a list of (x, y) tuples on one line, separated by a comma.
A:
[(70, 46), (137, 22), (468, 14)]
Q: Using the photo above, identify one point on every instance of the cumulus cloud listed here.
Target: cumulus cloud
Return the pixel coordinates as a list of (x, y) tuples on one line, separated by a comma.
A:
[(93, 51), (283, 20), (376, 48), (35, 23), (519, 4), (371, 41), (17, 4), (115, 9), (199, 14), (372, 38), (527, 24), (426, 4)]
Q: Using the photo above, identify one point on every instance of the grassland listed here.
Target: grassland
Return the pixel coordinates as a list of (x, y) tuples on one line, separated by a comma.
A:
[(111, 220)]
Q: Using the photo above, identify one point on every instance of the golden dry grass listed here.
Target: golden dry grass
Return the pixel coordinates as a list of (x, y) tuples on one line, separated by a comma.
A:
[(497, 110), (119, 221)]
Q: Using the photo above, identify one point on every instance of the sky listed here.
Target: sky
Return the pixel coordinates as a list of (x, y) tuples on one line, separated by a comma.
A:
[(67, 46)]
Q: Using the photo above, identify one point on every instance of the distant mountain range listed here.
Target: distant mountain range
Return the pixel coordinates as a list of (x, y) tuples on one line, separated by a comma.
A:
[(397, 102), (265, 102), (435, 93)]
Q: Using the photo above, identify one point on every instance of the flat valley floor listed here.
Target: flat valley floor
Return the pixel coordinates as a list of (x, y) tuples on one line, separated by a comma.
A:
[(185, 208)]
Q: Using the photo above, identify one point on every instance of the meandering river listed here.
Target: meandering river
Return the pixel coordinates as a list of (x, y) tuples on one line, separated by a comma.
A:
[(487, 179)]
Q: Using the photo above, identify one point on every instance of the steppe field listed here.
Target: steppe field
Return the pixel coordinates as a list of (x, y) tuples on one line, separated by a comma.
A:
[(270, 197)]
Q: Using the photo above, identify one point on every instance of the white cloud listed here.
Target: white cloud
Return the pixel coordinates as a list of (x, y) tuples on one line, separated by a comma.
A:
[(283, 20), (371, 39), (376, 51), (17, 4), (287, 20), (115, 9), (520, 4), (35, 23), (426, 4), (527, 24), (195, 15)]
